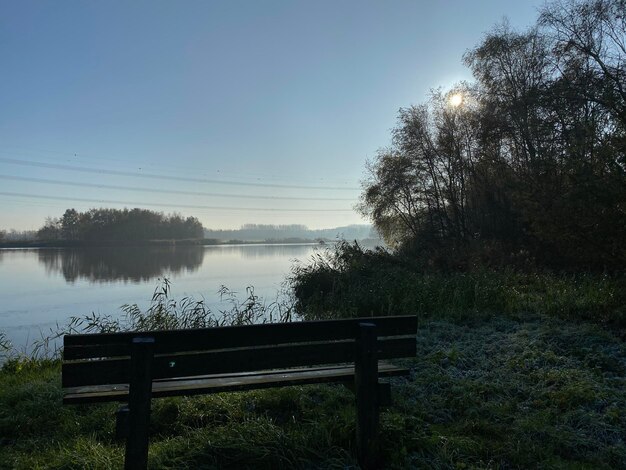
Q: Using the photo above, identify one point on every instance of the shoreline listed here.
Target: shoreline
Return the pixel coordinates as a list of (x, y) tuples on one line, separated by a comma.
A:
[(151, 243)]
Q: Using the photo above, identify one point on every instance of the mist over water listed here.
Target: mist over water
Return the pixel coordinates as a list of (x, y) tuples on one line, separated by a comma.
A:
[(42, 287)]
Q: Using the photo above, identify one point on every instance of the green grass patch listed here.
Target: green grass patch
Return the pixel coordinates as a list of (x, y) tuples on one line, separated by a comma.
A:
[(351, 282), (530, 391)]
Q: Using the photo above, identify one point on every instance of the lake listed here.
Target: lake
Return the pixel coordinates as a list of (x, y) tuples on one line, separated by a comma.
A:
[(42, 287)]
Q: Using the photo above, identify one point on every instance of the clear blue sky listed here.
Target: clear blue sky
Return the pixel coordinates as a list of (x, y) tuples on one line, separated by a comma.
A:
[(244, 105)]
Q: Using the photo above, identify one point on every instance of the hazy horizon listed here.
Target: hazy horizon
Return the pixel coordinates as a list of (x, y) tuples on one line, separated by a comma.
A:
[(246, 226), (232, 112)]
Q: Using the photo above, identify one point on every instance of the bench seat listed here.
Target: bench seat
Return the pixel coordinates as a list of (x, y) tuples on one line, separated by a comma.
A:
[(216, 383)]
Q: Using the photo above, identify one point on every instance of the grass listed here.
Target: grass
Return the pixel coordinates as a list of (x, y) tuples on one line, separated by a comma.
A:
[(164, 313), (350, 282), (525, 391), (269, 429)]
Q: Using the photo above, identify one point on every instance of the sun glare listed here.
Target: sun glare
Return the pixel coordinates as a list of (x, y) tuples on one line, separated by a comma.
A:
[(456, 99)]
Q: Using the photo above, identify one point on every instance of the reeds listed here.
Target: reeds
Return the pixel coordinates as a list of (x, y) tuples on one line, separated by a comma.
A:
[(350, 282)]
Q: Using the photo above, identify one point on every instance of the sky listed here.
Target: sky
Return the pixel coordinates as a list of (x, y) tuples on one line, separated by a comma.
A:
[(233, 112)]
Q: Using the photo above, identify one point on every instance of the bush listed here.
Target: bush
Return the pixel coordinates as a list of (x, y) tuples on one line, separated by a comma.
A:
[(348, 281)]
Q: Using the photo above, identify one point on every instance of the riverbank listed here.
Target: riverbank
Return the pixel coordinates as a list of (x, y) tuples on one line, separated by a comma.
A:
[(512, 370), (510, 391), (351, 282), (104, 243)]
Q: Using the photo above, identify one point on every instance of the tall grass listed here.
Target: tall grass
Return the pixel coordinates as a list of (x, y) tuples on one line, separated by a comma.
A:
[(165, 312), (5, 346), (348, 281)]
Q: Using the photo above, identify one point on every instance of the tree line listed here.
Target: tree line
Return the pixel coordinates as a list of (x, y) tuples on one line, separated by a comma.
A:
[(525, 165), (269, 232), (115, 225)]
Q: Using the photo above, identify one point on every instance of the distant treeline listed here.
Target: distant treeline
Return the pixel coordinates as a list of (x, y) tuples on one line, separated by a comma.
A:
[(114, 225), (17, 235), (527, 165), (118, 227), (260, 232)]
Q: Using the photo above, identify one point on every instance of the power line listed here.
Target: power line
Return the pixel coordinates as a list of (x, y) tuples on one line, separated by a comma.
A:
[(82, 169), (184, 206), (164, 191), (32, 153)]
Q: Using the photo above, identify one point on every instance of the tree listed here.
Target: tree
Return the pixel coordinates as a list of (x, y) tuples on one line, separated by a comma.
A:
[(532, 159), (591, 35), (418, 188), (70, 224), (51, 230), (120, 225)]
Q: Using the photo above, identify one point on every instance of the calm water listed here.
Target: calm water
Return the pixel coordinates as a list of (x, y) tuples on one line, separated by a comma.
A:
[(40, 287)]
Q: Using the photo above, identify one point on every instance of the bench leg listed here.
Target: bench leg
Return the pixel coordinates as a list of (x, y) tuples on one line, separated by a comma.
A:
[(366, 388), (384, 394), (140, 394), (121, 422)]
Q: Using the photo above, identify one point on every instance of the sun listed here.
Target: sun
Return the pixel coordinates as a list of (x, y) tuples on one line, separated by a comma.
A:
[(456, 99)]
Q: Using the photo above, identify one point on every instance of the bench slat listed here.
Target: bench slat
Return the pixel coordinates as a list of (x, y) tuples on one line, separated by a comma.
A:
[(85, 346), (116, 371), (225, 383)]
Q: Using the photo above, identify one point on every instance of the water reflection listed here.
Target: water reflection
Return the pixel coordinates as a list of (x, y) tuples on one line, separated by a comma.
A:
[(110, 264)]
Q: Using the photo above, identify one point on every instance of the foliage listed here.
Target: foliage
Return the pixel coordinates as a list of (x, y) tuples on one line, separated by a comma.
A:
[(17, 235), (96, 225), (167, 313), (348, 281), (532, 161), (5, 346)]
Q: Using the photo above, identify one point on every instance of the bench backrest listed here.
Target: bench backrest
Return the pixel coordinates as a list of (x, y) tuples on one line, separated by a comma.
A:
[(97, 359)]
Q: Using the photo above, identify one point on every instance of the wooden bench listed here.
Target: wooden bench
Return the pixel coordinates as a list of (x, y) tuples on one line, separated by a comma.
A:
[(134, 367)]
